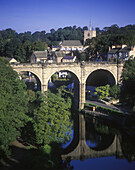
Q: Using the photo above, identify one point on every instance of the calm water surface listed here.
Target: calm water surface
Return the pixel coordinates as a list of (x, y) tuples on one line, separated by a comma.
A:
[(99, 135), (104, 163)]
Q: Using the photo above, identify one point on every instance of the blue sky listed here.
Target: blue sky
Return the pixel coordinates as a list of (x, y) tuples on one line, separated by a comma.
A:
[(37, 15)]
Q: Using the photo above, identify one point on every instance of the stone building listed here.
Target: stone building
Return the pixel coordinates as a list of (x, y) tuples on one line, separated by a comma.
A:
[(121, 52), (39, 57), (11, 60), (68, 59), (89, 34), (126, 52), (55, 48), (58, 55), (71, 45)]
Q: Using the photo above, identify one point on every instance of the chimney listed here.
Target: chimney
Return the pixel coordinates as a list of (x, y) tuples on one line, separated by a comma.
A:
[(124, 45), (132, 48), (113, 46), (118, 46), (72, 54)]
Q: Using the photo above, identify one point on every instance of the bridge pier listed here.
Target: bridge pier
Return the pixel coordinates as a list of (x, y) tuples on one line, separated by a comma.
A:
[(44, 88), (80, 70), (82, 95)]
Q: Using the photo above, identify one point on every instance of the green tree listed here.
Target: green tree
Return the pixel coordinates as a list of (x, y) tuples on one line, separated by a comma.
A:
[(13, 106), (54, 78), (128, 82), (39, 46), (115, 91), (52, 119), (103, 91)]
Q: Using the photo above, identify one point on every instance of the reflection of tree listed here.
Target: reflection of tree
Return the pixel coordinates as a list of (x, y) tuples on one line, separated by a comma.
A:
[(100, 128), (99, 134), (91, 134), (128, 148)]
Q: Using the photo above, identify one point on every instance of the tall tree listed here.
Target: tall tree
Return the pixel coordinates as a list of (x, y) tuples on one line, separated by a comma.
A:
[(128, 82), (13, 106), (52, 119)]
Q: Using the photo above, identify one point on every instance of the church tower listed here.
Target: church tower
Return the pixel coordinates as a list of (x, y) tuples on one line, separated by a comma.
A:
[(89, 34)]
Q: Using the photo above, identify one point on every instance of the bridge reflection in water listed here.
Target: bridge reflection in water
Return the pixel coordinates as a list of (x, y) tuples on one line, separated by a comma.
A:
[(78, 149)]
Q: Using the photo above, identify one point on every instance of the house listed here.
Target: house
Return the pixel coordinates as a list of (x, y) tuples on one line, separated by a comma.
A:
[(55, 48), (12, 60), (58, 56), (121, 52), (126, 52), (71, 45), (39, 56), (68, 59), (113, 53), (63, 74)]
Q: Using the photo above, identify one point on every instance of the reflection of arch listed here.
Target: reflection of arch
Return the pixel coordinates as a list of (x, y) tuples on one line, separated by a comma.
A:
[(100, 77), (100, 139), (82, 149), (107, 70), (104, 142)]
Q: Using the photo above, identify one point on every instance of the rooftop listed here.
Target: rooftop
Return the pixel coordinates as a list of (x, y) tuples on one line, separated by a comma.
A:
[(59, 54), (68, 57), (126, 49), (113, 51), (71, 43), (55, 46), (40, 54)]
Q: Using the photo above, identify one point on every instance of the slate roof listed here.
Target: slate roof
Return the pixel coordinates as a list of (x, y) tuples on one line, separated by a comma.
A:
[(55, 46), (8, 59), (124, 50), (113, 51), (68, 57), (40, 54), (59, 54), (71, 43)]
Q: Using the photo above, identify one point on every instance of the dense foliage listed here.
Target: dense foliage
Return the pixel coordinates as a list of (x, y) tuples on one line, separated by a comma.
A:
[(103, 91), (20, 46), (115, 91), (52, 119), (13, 106), (128, 83)]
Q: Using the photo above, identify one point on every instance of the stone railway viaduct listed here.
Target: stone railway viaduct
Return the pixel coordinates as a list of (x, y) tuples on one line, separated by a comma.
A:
[(80, 71)]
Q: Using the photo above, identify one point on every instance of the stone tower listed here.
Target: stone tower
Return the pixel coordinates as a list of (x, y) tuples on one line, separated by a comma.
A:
[(89, 34)]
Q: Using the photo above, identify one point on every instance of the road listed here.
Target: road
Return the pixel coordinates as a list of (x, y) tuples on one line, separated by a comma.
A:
[(103, 104)]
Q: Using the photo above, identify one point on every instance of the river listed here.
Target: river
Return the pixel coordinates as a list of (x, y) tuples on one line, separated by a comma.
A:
[(101, 145)]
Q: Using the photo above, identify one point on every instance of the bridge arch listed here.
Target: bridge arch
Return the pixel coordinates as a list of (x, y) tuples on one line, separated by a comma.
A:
[(37, 77), (75, 83), (101, 77), (29, 70), (61, 69)]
